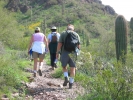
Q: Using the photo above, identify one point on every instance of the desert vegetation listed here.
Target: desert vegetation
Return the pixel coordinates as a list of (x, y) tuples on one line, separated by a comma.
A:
[(101, 69)]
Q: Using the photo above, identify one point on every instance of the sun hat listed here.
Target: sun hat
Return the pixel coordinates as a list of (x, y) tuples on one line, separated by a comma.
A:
[(53, 27), (37, 29)]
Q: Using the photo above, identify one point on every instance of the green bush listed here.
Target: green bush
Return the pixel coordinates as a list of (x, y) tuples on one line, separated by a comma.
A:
[(114, 82), (11, 75)]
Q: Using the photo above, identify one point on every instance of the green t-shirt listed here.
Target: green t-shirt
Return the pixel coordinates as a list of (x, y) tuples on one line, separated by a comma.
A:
[(63, 36)]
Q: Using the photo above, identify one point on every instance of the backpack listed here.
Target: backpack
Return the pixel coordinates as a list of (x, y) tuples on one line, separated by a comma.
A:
[(54, 37), (71, 41)]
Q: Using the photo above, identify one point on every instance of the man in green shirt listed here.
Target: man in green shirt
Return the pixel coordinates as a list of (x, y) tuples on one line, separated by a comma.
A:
[(65, 56)]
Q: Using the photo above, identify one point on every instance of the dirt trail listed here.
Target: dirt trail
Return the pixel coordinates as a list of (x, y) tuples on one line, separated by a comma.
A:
[(46, 87)]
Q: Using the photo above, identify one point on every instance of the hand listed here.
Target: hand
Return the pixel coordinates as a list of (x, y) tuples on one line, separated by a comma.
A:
[(46, 50), (57, 55)]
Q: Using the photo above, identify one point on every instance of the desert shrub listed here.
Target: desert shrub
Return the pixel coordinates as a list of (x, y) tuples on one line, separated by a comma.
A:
[(51, 2), (110, 81), (10, 75), (71, 4), (9, 28), (106, 46), (2, 49), (28, 33), (23, 43)]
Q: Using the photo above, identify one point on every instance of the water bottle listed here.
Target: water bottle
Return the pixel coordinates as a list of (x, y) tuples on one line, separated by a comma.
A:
[(30, 52), (46, 51), (77, 51)]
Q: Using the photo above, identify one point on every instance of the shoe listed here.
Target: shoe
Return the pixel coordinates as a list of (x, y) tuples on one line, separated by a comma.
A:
[(53, 68), (70, 85), (34, 74), (66, 81), (55, 65), (40, 72)]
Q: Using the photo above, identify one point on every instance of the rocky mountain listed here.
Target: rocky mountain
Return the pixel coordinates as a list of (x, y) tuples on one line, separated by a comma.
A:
[(89, 15), (24, 5)]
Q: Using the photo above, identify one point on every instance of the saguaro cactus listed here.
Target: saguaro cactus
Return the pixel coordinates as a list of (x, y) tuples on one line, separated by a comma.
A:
[(44, 25), (131, 34), (83, 36), (63, 7), (121, 38)]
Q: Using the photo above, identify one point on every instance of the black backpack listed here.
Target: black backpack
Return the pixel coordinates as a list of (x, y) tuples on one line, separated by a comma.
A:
[(71, 41), (54, 37)]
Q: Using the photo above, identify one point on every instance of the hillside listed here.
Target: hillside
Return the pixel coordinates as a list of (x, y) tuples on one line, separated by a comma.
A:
[(89, 15), (98, 72)]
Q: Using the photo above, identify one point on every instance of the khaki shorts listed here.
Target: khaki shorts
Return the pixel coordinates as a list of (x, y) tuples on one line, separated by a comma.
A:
[(65, 59), (38, 55)]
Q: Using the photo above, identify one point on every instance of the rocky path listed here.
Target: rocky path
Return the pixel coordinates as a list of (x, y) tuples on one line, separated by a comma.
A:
[(46, 87)]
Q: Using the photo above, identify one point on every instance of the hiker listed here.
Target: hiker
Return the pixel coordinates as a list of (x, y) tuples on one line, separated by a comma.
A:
[(38, 44), (53, 39), (65, 54)]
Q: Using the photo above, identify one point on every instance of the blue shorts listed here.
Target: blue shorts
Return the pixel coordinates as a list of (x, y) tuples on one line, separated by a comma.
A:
[(66, 59)]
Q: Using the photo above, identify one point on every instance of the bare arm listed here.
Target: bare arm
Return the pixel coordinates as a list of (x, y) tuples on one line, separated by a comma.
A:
[(46, 42), (58, 49)]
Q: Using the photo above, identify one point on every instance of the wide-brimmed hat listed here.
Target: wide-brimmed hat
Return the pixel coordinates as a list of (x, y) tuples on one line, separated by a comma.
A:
[(37, 29), (53, 27)]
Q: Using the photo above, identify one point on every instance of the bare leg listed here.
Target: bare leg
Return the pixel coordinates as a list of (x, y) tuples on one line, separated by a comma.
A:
[(40, 63), (40, 66), (35, 64), (71, 79), (65, 76), (72, 71), (64, 69)]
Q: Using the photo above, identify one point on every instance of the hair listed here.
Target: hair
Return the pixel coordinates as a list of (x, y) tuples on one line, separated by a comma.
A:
[(53, 30), (70, 27), (36, 31)]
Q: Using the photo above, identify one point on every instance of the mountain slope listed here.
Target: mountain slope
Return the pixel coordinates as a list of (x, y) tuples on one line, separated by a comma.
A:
[(89, 15)]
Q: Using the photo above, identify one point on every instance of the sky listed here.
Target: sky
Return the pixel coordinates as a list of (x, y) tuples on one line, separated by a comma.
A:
[(121, 7)]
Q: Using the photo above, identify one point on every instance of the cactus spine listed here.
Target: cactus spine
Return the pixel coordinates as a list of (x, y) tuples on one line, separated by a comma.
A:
[(121, 38), (131, 34)]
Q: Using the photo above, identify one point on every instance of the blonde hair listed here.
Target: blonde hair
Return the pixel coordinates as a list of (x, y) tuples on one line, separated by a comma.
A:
[(70, 27)]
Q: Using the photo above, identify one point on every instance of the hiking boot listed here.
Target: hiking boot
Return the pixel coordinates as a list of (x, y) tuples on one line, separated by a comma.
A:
[(34, 74), (53, 68), (70, 85), (55, 65), (66, 81), (31, 60), (40, 72)]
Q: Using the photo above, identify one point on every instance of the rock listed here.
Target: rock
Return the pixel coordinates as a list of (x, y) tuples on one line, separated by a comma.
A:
[(15, 94), (4, 97), (109, 10), (52, 84)]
